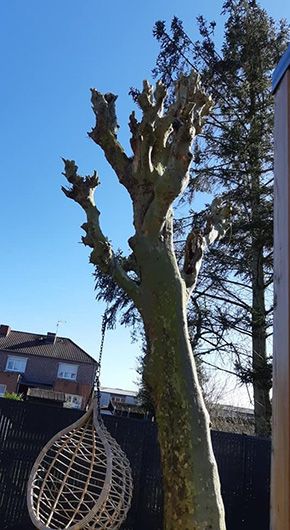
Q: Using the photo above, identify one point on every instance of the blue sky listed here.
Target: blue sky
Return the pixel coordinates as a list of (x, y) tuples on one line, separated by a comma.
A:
[(52, 53)]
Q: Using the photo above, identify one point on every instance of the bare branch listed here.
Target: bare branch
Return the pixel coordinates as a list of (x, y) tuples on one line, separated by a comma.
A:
[(219, 368), (225, 300), (82, 191), (197, 241), (105, 135)]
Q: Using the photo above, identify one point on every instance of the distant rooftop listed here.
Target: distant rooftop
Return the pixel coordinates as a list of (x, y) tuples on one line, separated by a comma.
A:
[(49, 345), (119, 391)]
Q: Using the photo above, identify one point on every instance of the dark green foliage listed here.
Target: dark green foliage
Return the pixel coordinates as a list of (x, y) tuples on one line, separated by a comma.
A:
[(232, 305), (119, 305)]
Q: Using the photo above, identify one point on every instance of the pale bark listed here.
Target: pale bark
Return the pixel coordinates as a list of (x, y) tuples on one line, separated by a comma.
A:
[(154, 176), (192, 497), (197, 241)]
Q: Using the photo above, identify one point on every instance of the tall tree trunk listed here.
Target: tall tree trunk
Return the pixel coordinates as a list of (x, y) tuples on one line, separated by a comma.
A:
[(261, 373), (262, 378), (191, 484)]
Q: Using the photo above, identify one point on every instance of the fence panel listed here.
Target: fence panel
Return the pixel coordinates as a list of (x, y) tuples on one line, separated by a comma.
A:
[(243, 461)]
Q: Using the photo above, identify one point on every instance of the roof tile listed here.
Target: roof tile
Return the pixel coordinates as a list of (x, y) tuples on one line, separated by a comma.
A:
[(21, 342)]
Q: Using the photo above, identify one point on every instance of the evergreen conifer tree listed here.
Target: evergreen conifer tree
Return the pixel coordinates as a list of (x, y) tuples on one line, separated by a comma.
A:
[(231, 310)]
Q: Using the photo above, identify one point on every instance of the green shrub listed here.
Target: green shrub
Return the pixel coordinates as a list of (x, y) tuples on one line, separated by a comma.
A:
[(13, 395)]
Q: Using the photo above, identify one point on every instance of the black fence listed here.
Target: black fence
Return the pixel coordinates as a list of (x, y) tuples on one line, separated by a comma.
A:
[(243, 461)]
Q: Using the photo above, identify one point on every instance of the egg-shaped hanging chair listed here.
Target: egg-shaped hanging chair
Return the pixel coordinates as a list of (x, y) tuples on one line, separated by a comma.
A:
[(81, 479)]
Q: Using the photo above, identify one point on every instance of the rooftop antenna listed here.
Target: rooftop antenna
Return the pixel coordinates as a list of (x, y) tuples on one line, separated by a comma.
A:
[(57, 326)]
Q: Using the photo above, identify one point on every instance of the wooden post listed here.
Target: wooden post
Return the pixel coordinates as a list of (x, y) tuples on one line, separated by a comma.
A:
[(280, 480)]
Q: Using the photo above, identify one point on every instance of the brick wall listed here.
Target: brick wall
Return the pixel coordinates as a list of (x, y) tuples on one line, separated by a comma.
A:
[(44, 369), (10, 379)]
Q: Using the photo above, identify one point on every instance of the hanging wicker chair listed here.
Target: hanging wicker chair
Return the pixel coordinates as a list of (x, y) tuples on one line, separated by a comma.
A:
[(81, 479)]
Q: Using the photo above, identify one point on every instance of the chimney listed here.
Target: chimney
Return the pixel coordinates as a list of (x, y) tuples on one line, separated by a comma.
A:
[(51, 337), (4, 330)]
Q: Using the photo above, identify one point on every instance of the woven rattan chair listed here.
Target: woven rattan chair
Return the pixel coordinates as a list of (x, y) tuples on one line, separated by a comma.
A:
[(81, 479)]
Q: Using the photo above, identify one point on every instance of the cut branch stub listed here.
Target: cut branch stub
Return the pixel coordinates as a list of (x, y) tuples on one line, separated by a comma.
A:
[(218, 222), (191, 101), (190, 106), (105, 111), (145, 98), (105, 135), (82, 190)]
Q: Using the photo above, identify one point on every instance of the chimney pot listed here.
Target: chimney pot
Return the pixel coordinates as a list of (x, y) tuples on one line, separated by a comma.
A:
[(51, 337), (4, 330)]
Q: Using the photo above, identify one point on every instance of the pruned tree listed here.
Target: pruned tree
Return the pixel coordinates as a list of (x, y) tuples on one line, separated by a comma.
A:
[(154, 176), (232, 306)]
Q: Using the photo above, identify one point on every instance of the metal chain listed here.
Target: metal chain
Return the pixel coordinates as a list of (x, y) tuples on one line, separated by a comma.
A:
[(98, 371)]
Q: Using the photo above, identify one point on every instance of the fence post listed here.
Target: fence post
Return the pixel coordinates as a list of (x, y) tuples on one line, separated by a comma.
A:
[(280, 481)]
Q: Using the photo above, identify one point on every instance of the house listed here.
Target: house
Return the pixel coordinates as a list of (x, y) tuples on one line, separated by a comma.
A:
[(30, 362), (228, 418), (118, 402), (117, 395), (225, 418)]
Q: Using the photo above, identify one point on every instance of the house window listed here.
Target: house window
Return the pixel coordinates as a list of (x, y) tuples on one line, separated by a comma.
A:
[(2, 390), (67, 371), (118, 399), (16, 364), (73, 401)]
